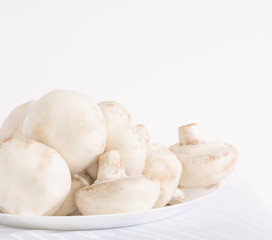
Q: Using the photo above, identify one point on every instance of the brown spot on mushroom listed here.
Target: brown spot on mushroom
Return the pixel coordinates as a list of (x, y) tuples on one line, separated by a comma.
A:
[(226, 153), (212, 158), (44, 163), (48, 154)]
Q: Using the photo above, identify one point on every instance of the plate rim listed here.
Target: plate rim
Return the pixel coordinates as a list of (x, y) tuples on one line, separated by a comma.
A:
[(214, 188)]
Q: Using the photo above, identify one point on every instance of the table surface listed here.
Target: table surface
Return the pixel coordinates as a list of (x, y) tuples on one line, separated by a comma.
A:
[(233, 212)]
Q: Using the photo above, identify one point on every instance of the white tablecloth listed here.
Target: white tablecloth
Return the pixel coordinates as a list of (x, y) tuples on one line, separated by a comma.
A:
[(233, 212)]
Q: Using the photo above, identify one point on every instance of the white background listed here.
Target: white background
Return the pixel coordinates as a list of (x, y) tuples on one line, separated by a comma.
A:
[(169, 62)]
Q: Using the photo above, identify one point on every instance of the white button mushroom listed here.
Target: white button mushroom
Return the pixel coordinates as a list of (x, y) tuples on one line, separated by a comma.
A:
[(126, 137), (72, 124), (69, 206), (163, 165), (34, 178), (204, 163), (114, 192), (12, 125)]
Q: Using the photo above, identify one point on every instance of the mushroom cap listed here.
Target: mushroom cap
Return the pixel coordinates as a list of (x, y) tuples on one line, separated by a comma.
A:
[(34, 178), (205, 164), (123, 136), (69, 206), (12, 125), (72, 124), (162, 164), (119, 195)]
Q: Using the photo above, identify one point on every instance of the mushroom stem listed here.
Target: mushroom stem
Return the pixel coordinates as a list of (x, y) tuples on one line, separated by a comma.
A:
[(189, 134), (143, 133), (83, 180), (110, 166), (178, 197)]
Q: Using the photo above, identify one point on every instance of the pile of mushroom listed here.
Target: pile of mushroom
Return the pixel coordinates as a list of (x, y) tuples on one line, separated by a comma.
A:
[(64, 154)]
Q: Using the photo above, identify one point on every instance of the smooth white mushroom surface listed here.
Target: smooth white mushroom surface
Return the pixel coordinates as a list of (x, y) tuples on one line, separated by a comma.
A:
[(34, 178), (72, 124), (204, 163), (126, 137), (162, 164), (69, 207), (114, 191), (12, 125)]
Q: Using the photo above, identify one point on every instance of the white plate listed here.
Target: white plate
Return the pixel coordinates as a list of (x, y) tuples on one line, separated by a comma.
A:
[(107, 220)]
